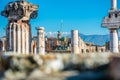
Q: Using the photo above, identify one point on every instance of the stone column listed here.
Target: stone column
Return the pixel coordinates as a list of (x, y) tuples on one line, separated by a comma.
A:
[(114, 41), (3, 47), (14, 37), (40, 41), (35, 50), (27, 42), (19, 38), (23, 39), (27, 38), (19, 13), (74, 42), (10, 46), (113, 4)]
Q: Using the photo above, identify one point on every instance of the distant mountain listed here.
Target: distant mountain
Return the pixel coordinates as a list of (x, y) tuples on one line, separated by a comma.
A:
[(95, 39)]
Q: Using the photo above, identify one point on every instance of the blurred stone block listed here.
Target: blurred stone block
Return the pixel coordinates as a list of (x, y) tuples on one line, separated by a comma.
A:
[(115, 68)]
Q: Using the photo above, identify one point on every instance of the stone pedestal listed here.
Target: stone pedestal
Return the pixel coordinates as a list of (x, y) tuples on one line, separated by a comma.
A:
[(114, 41), (40, 41), (74, 42)]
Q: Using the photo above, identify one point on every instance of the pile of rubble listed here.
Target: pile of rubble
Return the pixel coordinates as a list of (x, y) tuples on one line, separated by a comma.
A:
[(51, 66)]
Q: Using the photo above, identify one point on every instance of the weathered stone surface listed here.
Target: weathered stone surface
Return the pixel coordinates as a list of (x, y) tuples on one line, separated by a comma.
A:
[(20, 10), (115, 67), (40, 40), (18, 31), (74, 42), (112, 22)]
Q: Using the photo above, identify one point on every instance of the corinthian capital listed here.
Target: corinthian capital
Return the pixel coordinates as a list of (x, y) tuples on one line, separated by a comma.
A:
[(20, 10)]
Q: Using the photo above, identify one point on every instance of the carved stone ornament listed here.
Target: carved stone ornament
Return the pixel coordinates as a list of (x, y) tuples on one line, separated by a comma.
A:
[(20, 10)]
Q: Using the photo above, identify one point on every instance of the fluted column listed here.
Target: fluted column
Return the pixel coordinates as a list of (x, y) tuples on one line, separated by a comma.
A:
[(114, 41), (74, 42), (7, 39), (27, 38), (14, 37), (10, 46), (27, 46), (19, 13), (19, 38), (23, 39)]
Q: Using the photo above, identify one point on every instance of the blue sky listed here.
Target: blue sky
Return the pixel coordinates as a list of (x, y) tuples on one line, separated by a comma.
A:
[(84, 15)]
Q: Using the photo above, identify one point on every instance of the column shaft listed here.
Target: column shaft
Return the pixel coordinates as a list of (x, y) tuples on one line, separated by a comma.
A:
[(27, 44), (40, 41), (114, 41), (10, 26), (113, 4), (3, 48), (19, 38), (14, 37), (23, 39), (74, 42)]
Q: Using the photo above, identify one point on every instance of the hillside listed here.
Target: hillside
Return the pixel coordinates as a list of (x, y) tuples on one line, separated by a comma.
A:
[(95, 39)]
